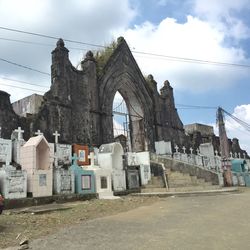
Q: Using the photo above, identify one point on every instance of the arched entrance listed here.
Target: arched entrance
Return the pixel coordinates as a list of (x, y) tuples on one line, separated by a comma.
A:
[(139, 110)]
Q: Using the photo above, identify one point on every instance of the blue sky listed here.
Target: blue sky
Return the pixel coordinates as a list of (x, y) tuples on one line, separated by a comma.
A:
[(199, 29)]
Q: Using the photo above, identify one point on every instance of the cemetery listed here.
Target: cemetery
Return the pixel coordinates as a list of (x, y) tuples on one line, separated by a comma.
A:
[(61, 146)]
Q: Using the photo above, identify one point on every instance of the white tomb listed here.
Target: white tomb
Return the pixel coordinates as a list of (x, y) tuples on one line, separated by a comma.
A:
[(13, 183), (35, 159), (163, 148), (63, 154), (17, 143), (141, 159), (5, 151), (110, 157), (63, 181), (103, 179), (207, 151)]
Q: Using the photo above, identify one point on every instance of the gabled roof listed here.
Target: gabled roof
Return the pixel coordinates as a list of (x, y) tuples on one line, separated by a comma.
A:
[(35, 141)]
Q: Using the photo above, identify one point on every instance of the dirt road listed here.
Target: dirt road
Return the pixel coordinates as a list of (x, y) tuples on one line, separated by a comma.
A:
[(185, 223)]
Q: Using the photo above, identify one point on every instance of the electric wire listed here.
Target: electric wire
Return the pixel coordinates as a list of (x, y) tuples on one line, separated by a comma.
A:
[(8, 85), (183, 59), (25, 67)]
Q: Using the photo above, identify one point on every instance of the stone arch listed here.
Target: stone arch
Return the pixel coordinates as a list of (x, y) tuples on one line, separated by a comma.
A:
[(130, 83)]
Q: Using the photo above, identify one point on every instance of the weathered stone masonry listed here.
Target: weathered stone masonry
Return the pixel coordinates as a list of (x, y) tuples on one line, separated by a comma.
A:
[(79, 103)]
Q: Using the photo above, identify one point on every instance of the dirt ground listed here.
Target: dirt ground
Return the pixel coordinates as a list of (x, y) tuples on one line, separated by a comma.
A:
[(14, 227)]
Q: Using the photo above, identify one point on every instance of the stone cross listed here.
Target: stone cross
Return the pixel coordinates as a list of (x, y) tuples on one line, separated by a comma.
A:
[(176, 148), (75, 158), (191, 151), (19, 133), (91, 157), (231, 155), (198, 151), (235, 155), (239, 155), (244, 155), (38, 132), (184, 149), (57, 135), (216, 153)]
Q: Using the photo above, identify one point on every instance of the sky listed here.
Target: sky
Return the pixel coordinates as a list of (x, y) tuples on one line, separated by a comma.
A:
[(212, 31)]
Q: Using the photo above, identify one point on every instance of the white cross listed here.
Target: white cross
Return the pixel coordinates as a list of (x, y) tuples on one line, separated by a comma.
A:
[(191, 151), (38, 132), (235, 155), (231, 155), (198, 151), (91, 157), (216, 153), (176, 148), (244, 155), (57, 135), (19, 133), (239, 155), (184, 149)]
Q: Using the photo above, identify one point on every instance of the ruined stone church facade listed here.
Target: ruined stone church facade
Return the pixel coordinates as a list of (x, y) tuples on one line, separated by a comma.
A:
[(79, 103)]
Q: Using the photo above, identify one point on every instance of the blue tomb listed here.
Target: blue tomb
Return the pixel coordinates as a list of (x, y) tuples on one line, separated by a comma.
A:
[(84, 179)]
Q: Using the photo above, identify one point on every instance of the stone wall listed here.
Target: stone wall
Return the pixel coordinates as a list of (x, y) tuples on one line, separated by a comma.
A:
[(79, 103)]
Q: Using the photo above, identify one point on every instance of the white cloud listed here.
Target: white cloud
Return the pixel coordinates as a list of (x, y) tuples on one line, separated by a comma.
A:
[(90, 21), (234, 129), (196, 39)]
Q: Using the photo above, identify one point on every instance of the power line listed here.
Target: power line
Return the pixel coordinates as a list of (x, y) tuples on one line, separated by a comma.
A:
[(14, 80), (36, 43), (182, 59), (21, 88), (185, 106), (25, 67)]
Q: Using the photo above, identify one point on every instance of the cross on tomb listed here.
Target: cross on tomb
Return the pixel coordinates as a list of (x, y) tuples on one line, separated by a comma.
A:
[(91, 157), (197, 151), (19, 133), (239, 155), (184, 149), (176, 148), (235, 155), (191, 151), (74, 158), (231, 155), (39, 132), (57, 135), (244, 155), (216, 153)]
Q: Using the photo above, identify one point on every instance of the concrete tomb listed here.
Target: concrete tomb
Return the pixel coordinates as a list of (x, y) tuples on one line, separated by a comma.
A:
[(17, 143), (141, 159), (63, 181), (5, 151), (63, 177), (111, 157), (207, 151), (82, 153), (13, 183), (103, 179), (84, 178), (163, 148), (35, 159)]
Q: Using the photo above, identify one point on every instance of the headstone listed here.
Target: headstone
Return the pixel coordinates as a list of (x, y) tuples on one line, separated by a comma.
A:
[(35, 159), (133, 181), (13, 183), (84, 179), (184, 149), (231, 155), (163, 148), (63, 153), (63, 181), (141, 159), (176, 148), (191, 151), (82, 153), (111, 157), (5, 150)]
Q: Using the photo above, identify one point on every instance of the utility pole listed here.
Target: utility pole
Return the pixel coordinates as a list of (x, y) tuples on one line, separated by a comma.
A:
[(224, 147)]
